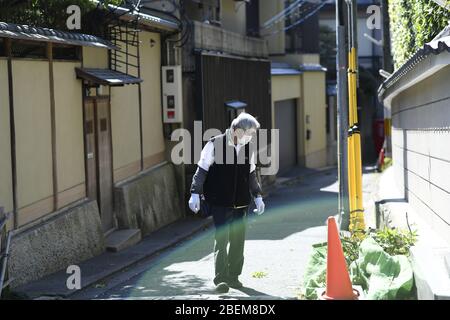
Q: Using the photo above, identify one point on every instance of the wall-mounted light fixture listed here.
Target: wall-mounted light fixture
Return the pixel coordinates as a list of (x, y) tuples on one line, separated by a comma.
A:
[(152, 43)]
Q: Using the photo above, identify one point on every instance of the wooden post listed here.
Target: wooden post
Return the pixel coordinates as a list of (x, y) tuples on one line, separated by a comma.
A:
[(53, 125), (12, 128)]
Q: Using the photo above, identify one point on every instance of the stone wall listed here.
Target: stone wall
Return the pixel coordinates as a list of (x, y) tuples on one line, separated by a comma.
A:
[(149, 201), (71, 236)]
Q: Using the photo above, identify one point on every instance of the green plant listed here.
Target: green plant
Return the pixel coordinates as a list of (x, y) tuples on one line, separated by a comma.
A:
[(49, 13), (395, 241), (350, 245), (412, 24), (387, 163), (259, 274)]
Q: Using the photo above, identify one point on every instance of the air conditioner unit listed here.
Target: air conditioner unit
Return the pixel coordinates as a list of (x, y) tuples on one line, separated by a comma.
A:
[(172, 94)]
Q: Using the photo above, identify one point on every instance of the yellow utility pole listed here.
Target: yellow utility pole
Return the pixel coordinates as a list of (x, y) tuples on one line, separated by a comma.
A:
[(357, 225)]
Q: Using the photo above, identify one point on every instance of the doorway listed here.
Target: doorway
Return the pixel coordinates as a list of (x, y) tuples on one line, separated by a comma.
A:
[(285, 122), (98, 146)]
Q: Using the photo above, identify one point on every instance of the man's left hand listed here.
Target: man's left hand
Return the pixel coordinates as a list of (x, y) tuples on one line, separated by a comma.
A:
[(260, 206)]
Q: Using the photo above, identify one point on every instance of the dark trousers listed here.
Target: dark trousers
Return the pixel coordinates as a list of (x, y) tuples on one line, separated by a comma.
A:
[(230, 229)]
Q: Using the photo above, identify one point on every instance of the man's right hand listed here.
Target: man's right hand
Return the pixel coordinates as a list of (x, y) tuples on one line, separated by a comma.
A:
[(194, 203)]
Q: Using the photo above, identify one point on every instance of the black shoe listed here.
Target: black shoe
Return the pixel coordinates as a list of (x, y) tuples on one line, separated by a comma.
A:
[(235, 284), (222, 287)]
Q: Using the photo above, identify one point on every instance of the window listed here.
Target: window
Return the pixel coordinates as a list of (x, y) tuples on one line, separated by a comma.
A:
[(29, 49), (66, 52), (2, 48)]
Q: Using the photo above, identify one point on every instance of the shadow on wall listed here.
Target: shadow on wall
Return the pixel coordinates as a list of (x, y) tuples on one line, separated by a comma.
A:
[(149, 201)]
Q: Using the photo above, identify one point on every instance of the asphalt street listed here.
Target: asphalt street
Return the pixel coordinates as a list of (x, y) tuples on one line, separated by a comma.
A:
[(276, 251)]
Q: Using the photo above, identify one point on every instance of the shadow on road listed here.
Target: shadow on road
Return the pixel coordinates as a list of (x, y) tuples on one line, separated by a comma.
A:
[(187, 269)]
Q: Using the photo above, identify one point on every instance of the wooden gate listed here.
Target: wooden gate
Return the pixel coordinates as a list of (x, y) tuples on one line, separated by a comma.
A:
[(97, 120)]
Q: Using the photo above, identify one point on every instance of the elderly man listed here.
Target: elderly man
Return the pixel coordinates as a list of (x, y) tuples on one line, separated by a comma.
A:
[(226, 177)]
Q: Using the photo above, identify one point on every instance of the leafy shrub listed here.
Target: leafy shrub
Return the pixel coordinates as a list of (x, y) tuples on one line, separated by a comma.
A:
[(412, 24), (395, 241), (48, 13)]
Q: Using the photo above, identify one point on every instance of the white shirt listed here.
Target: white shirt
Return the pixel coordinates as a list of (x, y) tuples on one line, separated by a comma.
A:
[(207, 155)]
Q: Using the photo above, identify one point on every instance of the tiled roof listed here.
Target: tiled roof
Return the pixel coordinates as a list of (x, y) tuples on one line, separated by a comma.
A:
[(435, 47), (24, 32)]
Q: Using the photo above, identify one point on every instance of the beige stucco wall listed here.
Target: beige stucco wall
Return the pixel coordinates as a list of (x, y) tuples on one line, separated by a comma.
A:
[(286, 87), (268, 9), (6, 199), (125, 123), (33, 134), (124, 116), (125, 131), (313, 100), (95, 57), (69, 133), (152, 129), (132, 57), (234, 16)]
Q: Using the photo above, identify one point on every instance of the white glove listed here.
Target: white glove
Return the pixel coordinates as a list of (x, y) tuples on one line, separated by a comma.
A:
[(260, 206), (194, 203)]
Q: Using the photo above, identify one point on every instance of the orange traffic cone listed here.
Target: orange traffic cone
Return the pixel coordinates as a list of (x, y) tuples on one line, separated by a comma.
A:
[(339, 286)]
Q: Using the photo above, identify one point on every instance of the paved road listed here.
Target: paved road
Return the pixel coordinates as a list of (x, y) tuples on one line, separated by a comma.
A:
[(276, 252)]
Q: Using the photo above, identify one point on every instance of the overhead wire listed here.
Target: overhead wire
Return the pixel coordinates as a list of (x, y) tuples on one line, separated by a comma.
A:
[(282, 15), (303, 18)]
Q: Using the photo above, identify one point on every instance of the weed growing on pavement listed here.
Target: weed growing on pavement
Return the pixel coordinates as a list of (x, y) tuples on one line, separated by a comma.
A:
[(259, 274), (350, 245), (386, 164), (395, 241)]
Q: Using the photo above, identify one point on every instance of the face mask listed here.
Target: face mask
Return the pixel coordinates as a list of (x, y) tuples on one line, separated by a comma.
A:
[(244, 140)]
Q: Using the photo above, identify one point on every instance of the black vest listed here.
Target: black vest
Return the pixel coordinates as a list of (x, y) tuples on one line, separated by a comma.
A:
[(227, 182)]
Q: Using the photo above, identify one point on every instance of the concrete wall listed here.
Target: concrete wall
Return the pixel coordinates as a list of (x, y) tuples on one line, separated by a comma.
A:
[(72, 236), (274, 36), (297, 59), (210, 37), (149, 201), (6, 197), (234, 16), (421, 151)]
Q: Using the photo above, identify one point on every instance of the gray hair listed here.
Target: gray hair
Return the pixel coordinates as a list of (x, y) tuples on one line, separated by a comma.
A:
[(245, 121)]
